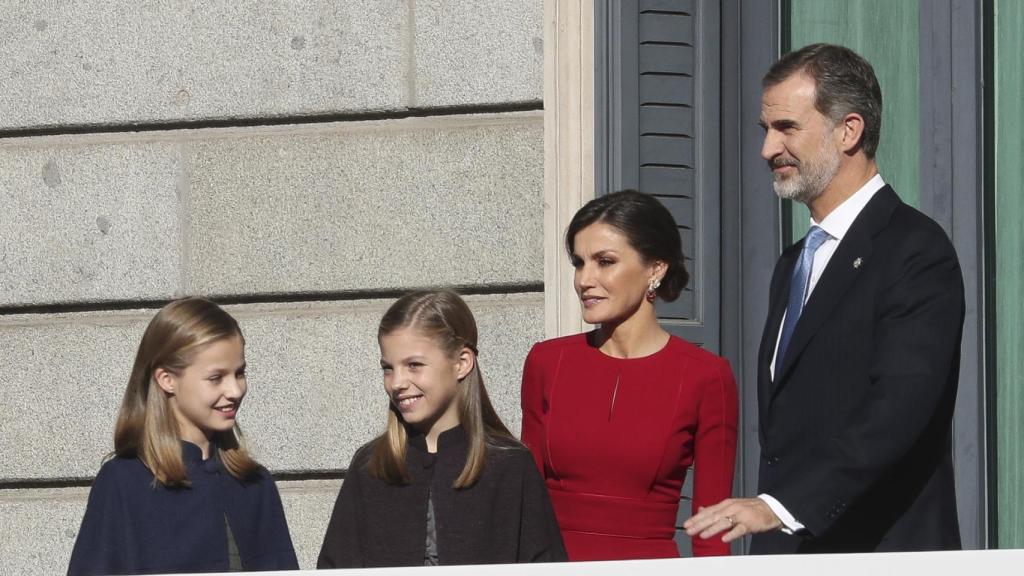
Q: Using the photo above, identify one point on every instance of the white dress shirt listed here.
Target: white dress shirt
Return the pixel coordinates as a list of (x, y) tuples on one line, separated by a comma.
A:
[(836, 224)]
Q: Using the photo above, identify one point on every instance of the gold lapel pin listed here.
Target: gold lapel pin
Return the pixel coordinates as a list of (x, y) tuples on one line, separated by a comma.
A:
[(858, 262)]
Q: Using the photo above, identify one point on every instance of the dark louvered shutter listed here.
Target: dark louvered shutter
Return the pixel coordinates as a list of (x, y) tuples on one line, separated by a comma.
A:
[(657, 130)]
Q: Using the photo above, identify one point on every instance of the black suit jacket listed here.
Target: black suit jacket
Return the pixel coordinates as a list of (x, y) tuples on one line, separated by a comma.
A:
[(855, 429)]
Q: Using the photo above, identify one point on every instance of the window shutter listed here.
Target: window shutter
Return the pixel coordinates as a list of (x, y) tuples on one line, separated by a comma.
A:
[(657, 131)]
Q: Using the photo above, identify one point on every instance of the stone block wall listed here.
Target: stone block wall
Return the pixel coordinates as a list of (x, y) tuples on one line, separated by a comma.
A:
[(301, 162)]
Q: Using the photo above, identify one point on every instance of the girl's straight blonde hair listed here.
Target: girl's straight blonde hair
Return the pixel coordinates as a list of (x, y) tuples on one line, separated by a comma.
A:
[(445, 318), (146, 428)]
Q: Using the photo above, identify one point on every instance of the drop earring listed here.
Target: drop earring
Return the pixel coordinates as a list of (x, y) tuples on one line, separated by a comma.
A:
[(652, 289)]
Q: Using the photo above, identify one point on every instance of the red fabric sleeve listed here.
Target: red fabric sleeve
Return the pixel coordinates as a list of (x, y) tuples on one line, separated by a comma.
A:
[(714, 457), (532, 403)]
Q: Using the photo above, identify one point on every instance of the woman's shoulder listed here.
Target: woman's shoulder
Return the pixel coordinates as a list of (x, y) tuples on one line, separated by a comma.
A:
[(694, 354), (556, 345)]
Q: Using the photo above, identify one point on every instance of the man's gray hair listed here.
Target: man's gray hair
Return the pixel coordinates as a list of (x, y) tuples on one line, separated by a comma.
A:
[(844, 83)]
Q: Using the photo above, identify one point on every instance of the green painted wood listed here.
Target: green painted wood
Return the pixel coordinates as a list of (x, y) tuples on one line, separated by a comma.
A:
[(886, 34), (1008, 87)]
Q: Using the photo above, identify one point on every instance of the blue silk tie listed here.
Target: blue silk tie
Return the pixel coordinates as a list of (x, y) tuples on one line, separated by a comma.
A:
[(798, 289)]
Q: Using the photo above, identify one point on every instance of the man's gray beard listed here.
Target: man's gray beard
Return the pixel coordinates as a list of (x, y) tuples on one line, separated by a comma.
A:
[(811, 178)]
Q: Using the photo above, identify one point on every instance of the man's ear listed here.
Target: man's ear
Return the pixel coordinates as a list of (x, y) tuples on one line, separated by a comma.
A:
[(852, 126), (165, 380), (464, 363)]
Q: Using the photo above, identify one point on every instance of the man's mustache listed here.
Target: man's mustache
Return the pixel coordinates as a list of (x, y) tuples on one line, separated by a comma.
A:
[(780, 162)]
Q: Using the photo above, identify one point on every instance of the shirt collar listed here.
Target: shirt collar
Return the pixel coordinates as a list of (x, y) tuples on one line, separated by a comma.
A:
[(838, 222)]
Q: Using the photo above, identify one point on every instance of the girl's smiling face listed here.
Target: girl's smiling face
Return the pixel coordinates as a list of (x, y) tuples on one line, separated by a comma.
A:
[(422, 380), (206, 395)]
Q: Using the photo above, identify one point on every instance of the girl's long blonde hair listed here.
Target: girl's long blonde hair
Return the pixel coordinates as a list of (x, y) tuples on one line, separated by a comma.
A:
[(445, 318), (146, 427)]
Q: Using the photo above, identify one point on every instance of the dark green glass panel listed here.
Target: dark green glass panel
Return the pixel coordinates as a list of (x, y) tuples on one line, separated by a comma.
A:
[(1008, 178), (886, 33)]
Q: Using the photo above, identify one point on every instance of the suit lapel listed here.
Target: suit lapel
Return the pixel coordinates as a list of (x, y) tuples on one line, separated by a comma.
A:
[(778, 295), (851, 258)]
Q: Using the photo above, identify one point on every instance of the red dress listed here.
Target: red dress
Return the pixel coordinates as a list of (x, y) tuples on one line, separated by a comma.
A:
[(613, 439)]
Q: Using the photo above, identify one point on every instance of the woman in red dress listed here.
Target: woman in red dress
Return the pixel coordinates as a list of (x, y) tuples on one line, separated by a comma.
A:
[(616, 416)]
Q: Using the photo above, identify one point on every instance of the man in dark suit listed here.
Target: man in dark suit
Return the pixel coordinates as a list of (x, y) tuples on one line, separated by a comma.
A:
[(858, 365)]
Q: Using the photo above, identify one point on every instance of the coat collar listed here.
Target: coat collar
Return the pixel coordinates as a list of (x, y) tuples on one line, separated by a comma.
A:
[(193, 456), (851, 258), (447, 440)]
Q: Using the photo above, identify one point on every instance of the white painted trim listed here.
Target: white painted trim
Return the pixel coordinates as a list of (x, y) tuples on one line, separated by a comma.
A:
[(568, 148), (892, 564)]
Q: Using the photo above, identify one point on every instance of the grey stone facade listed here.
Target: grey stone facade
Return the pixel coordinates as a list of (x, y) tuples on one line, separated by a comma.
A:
[(302, 162)]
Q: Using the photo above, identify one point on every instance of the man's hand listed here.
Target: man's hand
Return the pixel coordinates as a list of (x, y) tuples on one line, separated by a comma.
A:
[(737, 517)]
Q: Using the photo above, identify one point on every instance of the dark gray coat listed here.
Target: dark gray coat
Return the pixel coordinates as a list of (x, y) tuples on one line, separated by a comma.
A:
[(505, 517)]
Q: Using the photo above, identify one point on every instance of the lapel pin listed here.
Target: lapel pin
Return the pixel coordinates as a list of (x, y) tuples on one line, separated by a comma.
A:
[(858, 262)]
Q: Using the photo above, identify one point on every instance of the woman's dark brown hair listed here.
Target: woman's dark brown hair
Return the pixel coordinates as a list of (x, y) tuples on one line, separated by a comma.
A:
[(647, 225)]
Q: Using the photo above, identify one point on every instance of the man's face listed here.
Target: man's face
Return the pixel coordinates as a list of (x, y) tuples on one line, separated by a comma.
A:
[(800, 143)]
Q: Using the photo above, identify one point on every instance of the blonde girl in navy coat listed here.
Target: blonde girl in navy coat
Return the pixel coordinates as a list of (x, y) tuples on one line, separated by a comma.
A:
[(181, 493)]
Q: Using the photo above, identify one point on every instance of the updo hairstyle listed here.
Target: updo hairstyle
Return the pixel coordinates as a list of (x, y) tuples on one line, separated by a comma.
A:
[(647, 225)]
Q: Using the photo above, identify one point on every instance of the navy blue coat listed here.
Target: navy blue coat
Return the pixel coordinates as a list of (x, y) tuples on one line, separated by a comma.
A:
[(132, 526)]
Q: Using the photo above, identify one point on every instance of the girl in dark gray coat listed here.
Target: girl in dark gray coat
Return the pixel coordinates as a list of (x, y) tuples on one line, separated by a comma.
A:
[(446, 483)]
